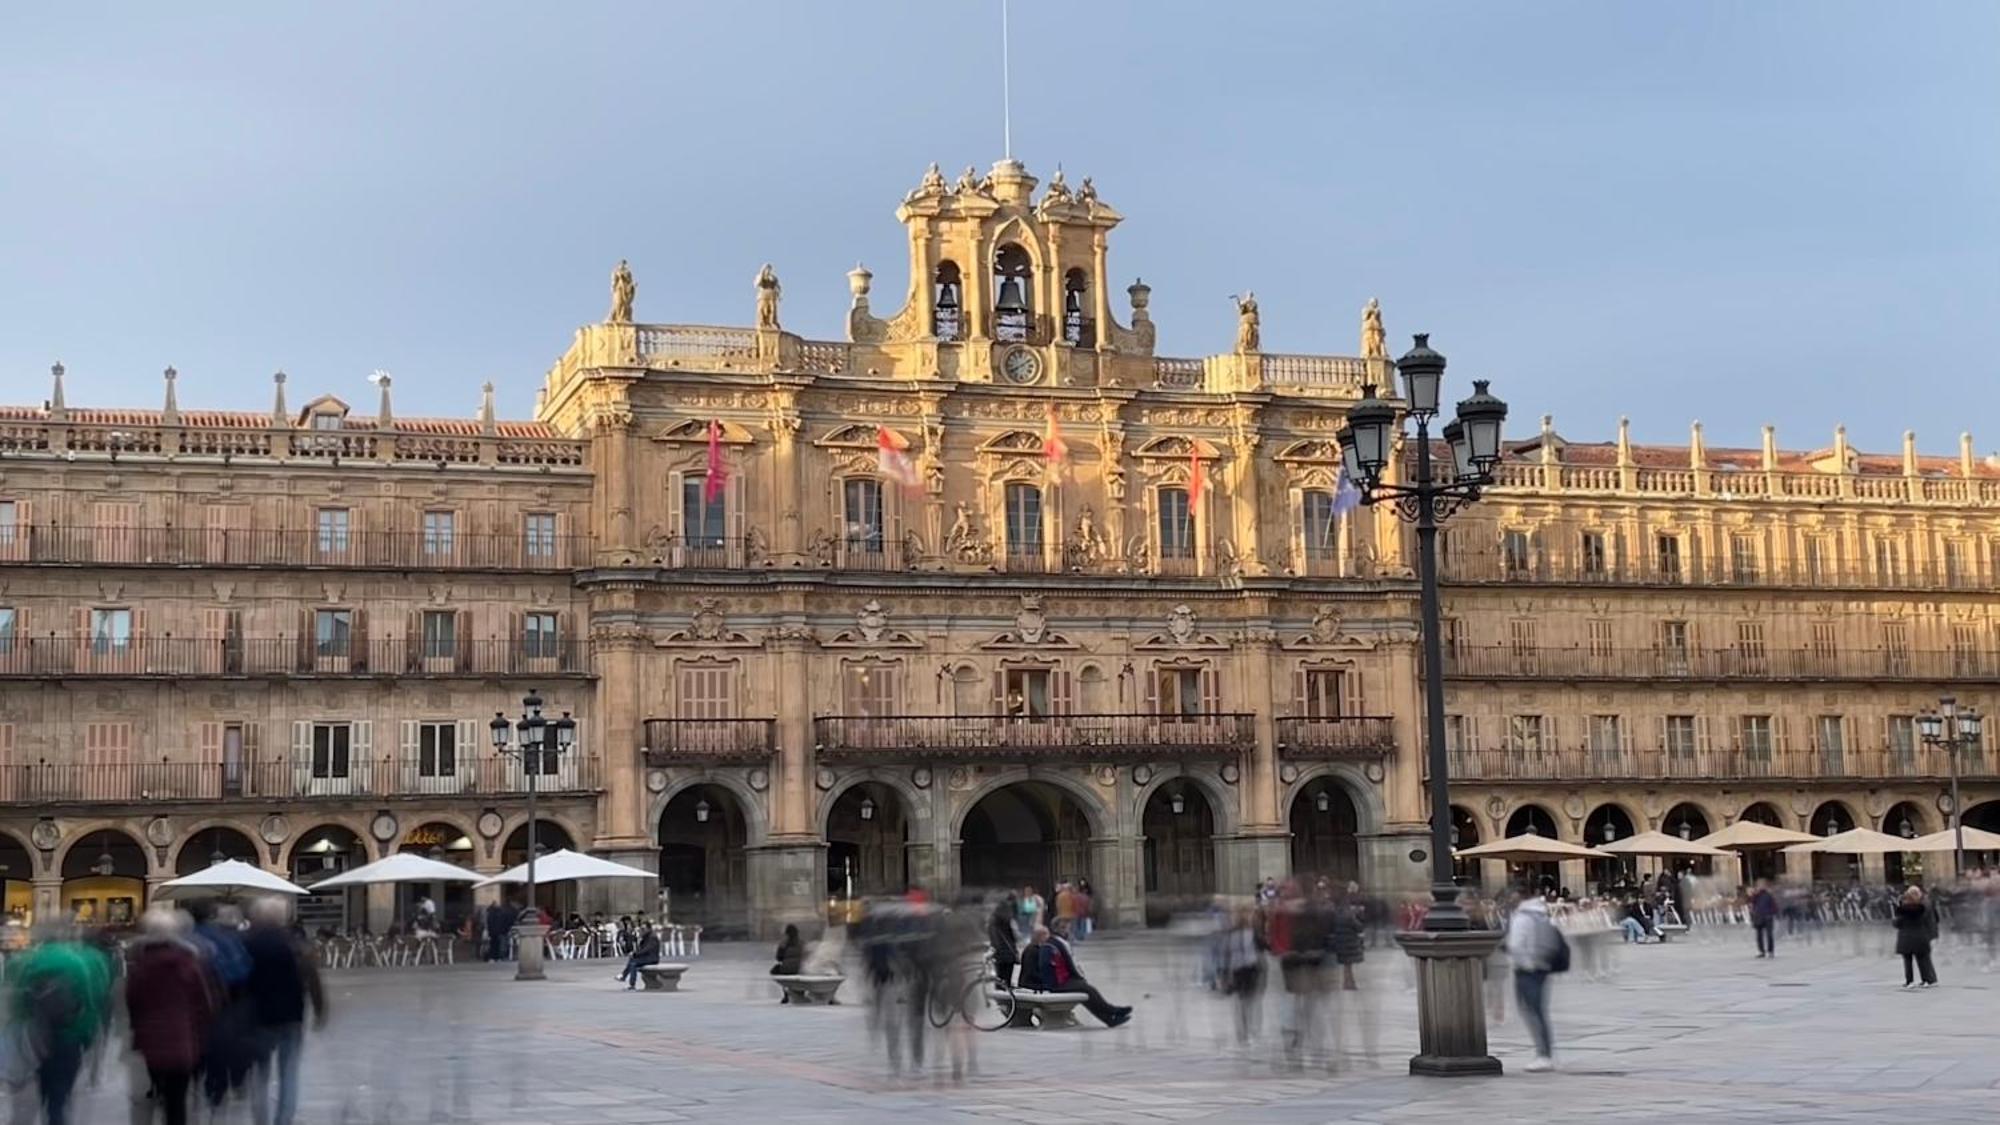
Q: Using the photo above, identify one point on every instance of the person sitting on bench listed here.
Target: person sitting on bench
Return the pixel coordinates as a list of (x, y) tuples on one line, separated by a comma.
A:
[(1058, 972), (790, 956), (647, 952)]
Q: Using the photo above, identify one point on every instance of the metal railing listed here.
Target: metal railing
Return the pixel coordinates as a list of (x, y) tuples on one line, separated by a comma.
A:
[(333, 777), (1733, 764), (67, 656), (1085, 736), (42, 545), (1508, 662), (1342, 736), (707, 552), (1501, 568), (670, 742)]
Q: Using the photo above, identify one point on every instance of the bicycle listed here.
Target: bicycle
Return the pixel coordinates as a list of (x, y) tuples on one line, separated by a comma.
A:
[(984, 1001)]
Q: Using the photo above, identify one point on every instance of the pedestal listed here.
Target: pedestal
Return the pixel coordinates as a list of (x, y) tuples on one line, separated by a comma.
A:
[(528, 952), (1451, 1002)]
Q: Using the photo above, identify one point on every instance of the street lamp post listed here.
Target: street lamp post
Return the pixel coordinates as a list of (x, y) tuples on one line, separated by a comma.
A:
[(538, 742), (1952, 729), (1449, 952)]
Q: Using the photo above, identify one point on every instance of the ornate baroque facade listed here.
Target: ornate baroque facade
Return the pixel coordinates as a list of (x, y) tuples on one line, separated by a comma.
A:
[(986, 594)]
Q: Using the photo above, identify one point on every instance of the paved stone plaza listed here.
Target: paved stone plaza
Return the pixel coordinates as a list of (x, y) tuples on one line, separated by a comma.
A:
[(1690, 1030)]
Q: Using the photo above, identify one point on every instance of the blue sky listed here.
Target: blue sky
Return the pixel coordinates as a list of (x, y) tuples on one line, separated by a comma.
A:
[(1774, 212)]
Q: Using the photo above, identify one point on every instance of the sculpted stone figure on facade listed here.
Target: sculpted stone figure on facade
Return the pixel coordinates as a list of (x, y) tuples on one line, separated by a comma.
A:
[(1181, 624), (913, 550), (1374, 339), (821, 547), (768, 291), (1249, 333), (706, 624), (1030, 624), (872, 620), (623, 291), (968, 181), (756, 547), (965, 541), (1086, 545)]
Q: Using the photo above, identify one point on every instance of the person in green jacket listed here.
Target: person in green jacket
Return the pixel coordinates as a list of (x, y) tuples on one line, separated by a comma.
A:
[(59, 993)]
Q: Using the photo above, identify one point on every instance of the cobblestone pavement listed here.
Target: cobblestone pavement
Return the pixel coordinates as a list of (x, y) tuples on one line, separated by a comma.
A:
[(1693, 1029)]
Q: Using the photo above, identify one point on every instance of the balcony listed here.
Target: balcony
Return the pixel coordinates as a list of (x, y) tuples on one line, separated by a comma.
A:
[(281, 779), (269, 547), (682, 742), (1733, 764), (1026, 738), (176, 657), (1507, 662), (1351, 738), (1497, 568)]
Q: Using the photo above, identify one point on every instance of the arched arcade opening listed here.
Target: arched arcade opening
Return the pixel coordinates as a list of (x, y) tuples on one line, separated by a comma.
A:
[(1178, 834), (1326, 832), (867, 846), (1534, 820), (559, 899), (104, 879), (703, 865), (1025, 834), (319, 854)]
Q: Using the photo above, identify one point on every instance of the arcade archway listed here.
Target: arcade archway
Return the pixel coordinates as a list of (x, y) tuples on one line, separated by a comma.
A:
[(1026, 834), (104, 879), (703, 876), (211, 846), (1905, 821), (867, 838), (1536, 821), (1178, 829), (1465, 834), (559, 899), (1832, 818), (17, 875), (1687, 822), (321, 853), (1607, 824), (1326, 833), (1763, 863)]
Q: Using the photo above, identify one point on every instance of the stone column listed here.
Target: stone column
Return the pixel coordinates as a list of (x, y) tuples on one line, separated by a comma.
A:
[(614, 481), (618, 738), (786, 872), (48, 898), (1101, 287), (1264, 844), (1115, 880), (788, 538), (623, 896), (1243, 500)]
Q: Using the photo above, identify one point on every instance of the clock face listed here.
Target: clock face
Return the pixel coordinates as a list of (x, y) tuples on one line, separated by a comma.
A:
[(1021, 366)]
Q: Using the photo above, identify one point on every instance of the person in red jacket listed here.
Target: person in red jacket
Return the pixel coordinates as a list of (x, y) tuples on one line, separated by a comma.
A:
[(171, 1004)]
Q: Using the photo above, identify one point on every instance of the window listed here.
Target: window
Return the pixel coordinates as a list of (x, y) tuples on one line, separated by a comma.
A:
[(869, 690), (1680, 736), (7, 625), (333, 633), (1027, 692), (1743, 558), (1524, 734), (702, 519), (10, 522), (1521, 641), (1825, 640), (1179, 690), (438, 531), (862, 511), (332, 749), (1667, 557), (1895, 647), (440, 634), (1754, 736), (946, 319), (1607, 734), (1176, 524), (1750, 646), (1322, 526), (327, 420), (1323, 693), (1888, 560), (437, 749), (332, 524), (1024, 521), (1818, 559), (538, 636), (1514, 557), (1076, 326), (1903, 737), (1964, 649), (1954, 563), (1600, 637), (538, 536), (110, 631), (1459, 733), (1592, 554), (1830, 733), (1454, 636), (707, 691)]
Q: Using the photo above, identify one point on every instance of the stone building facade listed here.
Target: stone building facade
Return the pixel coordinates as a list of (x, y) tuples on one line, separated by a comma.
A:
[(986, 594)]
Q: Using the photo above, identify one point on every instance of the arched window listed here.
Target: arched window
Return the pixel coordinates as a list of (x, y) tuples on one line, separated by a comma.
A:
[(1013, 312), (1078, 327), (947, 317)]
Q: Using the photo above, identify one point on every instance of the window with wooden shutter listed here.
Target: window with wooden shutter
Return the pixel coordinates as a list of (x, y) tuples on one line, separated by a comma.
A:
[(1600, 637), (869, 689), (15, 529), (1211, 691), (1026, 692), (707, 691), (1061, 697), (115, 532)]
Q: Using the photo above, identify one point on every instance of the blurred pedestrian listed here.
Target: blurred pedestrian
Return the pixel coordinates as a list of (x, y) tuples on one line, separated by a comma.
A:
[(170, 999), (1031, 911), (59, 995), (1764, 918), (1916, 928), (1536, 949), (1085, 905), (230, 1049), (1000, 937), (790, 954), (284, 979), (1345, 937), (1242, 967)]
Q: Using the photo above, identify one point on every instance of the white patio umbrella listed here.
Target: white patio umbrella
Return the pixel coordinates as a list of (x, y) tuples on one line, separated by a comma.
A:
[(1746, 834), (1662, 844), (565, 865), (1854, 841), (1530, 848), (1976, 840), (230, 877), (403, 867)]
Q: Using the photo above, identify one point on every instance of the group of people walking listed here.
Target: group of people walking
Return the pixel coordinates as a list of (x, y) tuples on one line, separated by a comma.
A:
[(209, 1007)]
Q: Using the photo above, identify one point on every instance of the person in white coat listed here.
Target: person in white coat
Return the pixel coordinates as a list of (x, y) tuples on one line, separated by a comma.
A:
[(1535, 948)]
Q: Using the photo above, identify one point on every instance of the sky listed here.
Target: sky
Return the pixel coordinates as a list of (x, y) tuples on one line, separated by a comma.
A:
[(1781, 212)]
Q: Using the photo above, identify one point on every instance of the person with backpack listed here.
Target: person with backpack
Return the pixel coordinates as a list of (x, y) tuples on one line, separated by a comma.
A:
[(170, 999), (59, 995), (231, 1048), (1536, 948)]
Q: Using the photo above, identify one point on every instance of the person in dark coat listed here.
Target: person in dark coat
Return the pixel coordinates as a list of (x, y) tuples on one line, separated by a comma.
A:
[(1032, 962), (1916, 928), (499, 924), (790, 954), (170, 1001), (647, 952), (1764, 919), (284, 980), (1346, 937), (1059, 972), (1000, 935)]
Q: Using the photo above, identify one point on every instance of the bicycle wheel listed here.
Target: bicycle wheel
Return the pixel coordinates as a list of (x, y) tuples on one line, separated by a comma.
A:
[(988, 1003), (941, 1006)]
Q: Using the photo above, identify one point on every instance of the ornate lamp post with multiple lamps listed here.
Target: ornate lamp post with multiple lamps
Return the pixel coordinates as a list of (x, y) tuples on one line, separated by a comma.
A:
[(1952, 729), (539, 742), (1448, 951)]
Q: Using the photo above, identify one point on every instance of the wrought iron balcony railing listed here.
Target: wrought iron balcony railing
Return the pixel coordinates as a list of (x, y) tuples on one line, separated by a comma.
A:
[(1502, 662), (46, 545), (139, 657), (670, 742), (1356, 737), (1823, 573), (1034, 736), (326, 777), (1730, 764)]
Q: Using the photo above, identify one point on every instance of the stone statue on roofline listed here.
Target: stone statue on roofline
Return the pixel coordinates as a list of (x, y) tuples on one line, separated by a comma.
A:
[(623, 291), (1374, 340), (768, 292), (1249, 328)]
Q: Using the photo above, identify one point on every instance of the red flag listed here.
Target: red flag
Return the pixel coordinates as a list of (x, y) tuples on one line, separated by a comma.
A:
[(718, 472), (1197, 476), (1054, 450), (892, 459)]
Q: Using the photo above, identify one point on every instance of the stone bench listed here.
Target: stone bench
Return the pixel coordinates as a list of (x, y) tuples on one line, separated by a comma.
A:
[(803, 989), (663, 977), (1046, 1010)]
